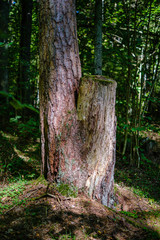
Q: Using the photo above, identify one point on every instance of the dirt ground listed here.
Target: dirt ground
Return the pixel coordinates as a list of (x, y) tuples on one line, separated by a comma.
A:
[(47, 215), (41, 212)]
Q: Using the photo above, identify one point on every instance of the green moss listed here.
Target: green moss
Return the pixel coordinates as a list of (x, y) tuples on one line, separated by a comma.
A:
[(67, 190), (41, 179)]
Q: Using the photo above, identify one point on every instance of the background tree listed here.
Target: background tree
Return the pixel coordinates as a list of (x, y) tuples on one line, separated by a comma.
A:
[(24, 86), (130, 44), (86, 35), (4, 18), (98, 38)]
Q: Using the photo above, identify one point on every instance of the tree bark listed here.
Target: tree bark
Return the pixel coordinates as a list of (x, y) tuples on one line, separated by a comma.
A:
[(77, 123), (96, 114), (60, 73)]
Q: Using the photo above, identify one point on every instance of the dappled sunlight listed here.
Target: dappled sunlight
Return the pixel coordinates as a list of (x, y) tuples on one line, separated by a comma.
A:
[(14, 163), (59, 217)]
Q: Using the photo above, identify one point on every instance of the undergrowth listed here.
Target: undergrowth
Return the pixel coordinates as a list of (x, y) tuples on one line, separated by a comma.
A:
[(9, 195), (144, 181)]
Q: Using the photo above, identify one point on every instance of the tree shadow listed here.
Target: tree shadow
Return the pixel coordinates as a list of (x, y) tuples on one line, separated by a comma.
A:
[(12, 165), (40, 221), (145, 180)]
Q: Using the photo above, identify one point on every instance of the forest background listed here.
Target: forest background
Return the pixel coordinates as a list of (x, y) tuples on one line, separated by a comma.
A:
[(130, 56)]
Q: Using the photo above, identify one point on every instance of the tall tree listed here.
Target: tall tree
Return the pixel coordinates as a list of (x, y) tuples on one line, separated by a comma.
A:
[(131, 53), (60, 73), (24, 58), (98, 38), (4, 18), (77, 122)]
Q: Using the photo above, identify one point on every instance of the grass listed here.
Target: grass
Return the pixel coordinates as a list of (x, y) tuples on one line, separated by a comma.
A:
[(66, 236), (11, 193)]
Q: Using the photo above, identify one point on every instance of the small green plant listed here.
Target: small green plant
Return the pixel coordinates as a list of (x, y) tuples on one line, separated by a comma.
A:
[(130, 214), (65, 237), (67, 190), (115, 189), (15, 119), (140, 192), (12, 193)]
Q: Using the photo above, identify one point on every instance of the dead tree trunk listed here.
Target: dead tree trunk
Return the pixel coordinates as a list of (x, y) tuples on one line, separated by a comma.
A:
[(96, 114), (77, 139)]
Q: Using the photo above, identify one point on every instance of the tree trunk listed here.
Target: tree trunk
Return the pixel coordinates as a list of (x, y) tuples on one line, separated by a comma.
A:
[(98, 38), (24, 93), (77, 136), (4, 18), (96, 115), (60, 73)]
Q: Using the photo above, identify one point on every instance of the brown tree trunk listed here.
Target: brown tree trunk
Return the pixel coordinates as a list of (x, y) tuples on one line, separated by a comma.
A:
[(60, 73), (77, 138), (96, 114), (4, 18), (98, 38), (23, 83)]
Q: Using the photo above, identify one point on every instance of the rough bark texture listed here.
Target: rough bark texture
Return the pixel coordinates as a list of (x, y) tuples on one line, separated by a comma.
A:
[(96, 113), (77, 138), (60, 73)]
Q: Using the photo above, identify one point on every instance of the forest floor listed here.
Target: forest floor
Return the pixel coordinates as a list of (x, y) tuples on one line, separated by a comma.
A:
[(30, 209)]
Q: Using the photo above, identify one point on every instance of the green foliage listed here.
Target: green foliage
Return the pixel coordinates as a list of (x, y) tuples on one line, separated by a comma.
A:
[(2, 44), (67, 236), (16, 103), (131, 57), (130, 214), (15, 119), (12, 192), (14, 29), (67, 190), (30, 129)]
